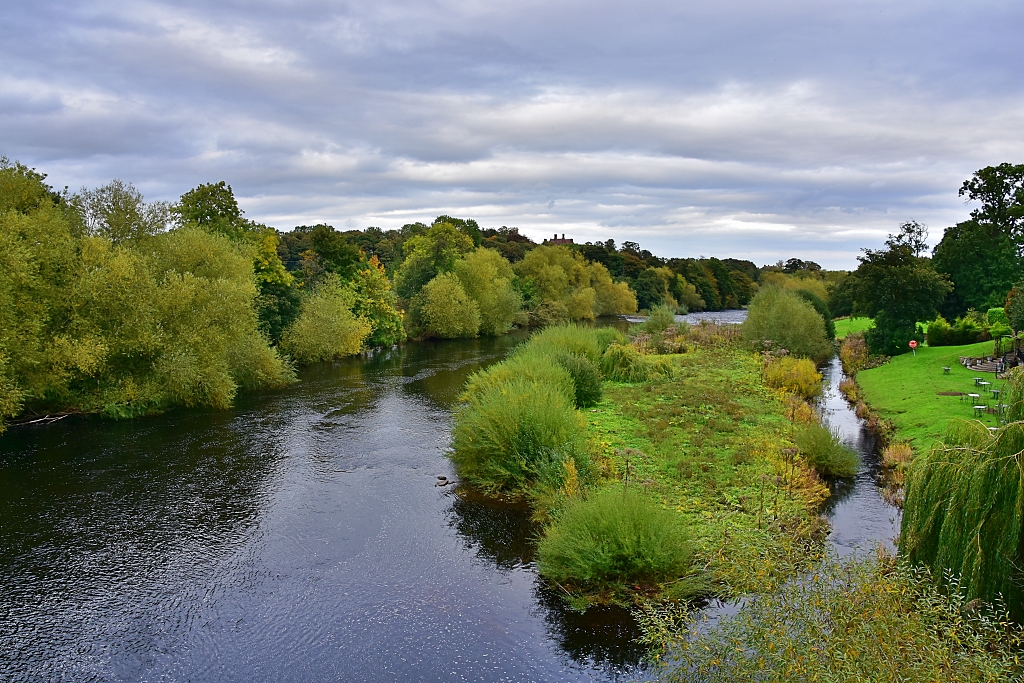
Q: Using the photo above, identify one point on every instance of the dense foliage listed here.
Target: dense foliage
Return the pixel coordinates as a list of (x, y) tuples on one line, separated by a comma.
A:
[(781, 319), (861, 620), (899, 289), (100, 310)]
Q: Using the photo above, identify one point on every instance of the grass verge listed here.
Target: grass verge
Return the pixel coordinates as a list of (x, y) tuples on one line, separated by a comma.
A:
[(845, 326), (910, 392)]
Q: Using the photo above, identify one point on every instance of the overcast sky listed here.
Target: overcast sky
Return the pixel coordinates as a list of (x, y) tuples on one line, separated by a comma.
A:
[(758, 130)]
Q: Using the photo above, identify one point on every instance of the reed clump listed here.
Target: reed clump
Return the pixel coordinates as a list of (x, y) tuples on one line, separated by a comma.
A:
[(614, 536), (853, 353), (518, 429), (825, 452), (623, 363), (585, 376), (516, 433)]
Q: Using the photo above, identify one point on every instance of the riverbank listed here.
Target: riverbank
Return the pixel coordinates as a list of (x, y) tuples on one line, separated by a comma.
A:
[(920, 400)]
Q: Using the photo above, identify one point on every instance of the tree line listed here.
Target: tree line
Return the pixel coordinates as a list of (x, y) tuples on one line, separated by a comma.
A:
[(973, 276)]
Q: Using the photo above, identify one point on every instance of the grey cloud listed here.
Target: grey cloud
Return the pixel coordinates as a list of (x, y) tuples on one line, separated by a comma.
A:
[(729, 128)]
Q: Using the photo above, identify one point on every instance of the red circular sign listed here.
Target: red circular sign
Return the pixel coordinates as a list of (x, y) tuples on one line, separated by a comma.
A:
[(913, 343)]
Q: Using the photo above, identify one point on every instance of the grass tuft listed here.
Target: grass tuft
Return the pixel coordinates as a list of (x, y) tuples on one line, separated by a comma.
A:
[(825, 452), (615, 536)]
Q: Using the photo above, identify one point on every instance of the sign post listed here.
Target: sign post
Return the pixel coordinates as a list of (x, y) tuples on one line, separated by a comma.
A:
[(913, 347)]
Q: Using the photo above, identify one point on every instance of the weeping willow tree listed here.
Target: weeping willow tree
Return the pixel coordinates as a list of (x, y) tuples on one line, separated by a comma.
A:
[(965, 507)]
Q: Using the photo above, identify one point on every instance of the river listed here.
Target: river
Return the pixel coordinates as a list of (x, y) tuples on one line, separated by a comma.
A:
[(300, 536)]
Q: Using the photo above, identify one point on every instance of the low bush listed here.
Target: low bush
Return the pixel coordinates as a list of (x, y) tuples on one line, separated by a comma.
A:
[(782, 319), (614, 536), (623, 363), (824, 451), (518, 432), (606, 336), (965, 330), (661, 318), (797, 375), (529, 365), (586, 378)]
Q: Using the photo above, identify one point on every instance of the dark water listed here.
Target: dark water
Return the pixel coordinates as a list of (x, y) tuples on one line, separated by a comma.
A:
[(861, 519), (301, 537), (297, 537)]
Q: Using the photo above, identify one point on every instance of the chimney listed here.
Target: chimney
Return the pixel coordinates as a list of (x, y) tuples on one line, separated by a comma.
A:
[(563, 235)]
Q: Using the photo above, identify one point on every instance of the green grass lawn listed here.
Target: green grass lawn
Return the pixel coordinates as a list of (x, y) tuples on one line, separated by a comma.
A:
[(907, 390), (845, 326)]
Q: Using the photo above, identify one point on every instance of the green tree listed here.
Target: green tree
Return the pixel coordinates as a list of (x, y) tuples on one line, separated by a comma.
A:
[(429, 254), (1000, 189), (443, 309), (898, 289), (467, 226), (1014, 308), (981, 262), (782, 319), (376, 303), (487, 278), (340, 255), (326, 327), (118, 212)]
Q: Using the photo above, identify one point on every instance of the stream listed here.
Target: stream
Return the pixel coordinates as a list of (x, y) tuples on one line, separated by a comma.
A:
[(301, 536)]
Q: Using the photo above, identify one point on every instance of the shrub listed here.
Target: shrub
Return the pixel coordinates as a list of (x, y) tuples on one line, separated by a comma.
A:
[(997, 315), (622, 363), (784, 320), (326, 327), (797, 375), (661, 318), (614, 536), (606, 336), (824, 451), (966, 330), (443, 309), (586, 378), (517, 432)]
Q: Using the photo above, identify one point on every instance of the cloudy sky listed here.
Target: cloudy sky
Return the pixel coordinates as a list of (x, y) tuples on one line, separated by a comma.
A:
[(760, 130)]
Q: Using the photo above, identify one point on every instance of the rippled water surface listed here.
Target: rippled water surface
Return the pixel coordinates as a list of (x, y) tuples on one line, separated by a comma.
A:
[(298, 537), (301, 537)]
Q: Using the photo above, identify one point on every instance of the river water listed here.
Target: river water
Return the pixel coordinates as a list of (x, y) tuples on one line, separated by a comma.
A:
[(299, 537)]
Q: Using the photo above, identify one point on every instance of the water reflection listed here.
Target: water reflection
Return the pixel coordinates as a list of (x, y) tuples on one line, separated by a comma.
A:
[(860, 517), (503, 533), (297, 537)]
